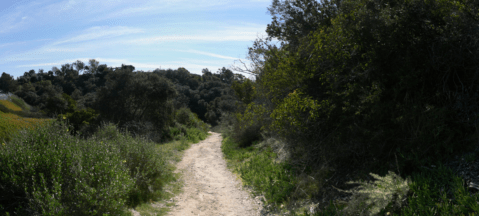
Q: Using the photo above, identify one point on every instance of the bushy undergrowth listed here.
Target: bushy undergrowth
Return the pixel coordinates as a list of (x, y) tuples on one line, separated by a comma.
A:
[(434, 191), (47, 171), (258, 170), (188, 124), (440, 192), (81, 120)]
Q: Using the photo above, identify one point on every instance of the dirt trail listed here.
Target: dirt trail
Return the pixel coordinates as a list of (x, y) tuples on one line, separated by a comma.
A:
[(210, 188)]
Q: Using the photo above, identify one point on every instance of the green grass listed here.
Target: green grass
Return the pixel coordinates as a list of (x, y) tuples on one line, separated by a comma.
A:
[(257, 169), (435, 191)]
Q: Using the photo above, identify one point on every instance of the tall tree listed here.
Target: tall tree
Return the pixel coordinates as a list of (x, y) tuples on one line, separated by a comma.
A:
[(300, 17), (7, 83), (79, 66), (93, 66)]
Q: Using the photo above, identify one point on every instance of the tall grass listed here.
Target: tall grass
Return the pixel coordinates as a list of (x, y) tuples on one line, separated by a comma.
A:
[(10, 123)]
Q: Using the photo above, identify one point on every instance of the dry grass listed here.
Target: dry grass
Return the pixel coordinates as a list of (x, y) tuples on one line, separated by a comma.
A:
[(10, 105), (10, 123)]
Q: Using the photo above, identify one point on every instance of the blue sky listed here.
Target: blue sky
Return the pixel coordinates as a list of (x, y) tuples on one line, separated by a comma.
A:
[(193, 34)]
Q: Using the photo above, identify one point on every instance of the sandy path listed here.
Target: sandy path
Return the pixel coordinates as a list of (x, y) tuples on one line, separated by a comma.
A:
[(210, 188)]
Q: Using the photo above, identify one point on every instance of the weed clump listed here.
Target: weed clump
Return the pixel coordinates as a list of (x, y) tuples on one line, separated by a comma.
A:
[(372, 198)]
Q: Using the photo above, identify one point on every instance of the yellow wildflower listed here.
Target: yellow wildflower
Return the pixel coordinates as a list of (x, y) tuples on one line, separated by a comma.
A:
[(64, 117), (3, 144), (124, 161)]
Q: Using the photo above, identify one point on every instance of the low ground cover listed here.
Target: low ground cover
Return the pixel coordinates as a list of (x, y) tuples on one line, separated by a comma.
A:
[(10, 105), (10, 122), (257, 168), (430, 191)]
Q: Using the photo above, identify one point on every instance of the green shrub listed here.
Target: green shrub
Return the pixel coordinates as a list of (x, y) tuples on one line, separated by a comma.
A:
[(79, 119), (145, 166), (185, 117), (195, 135), (372, 198), (247, 126), (50, 172), (258, 169), (177, 131)]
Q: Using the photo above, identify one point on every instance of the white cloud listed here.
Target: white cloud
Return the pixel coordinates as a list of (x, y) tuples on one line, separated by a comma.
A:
[(236, 33), (207, 54), (150, 7), (100, 32)]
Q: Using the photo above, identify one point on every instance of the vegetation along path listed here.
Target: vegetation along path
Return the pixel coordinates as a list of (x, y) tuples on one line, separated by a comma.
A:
[(209, 187)]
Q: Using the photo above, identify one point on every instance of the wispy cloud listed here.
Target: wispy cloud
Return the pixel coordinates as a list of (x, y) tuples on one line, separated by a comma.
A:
[(237, 33), (100, 32), (122, 32), (12, 44), (207, 54), (21, 42), (150, 7), (11, 21)]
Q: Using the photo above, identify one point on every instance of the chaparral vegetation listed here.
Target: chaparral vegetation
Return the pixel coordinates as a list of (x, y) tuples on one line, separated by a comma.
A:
[(357, 112)]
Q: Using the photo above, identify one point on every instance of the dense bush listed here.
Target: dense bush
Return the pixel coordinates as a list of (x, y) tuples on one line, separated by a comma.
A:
[(367, 79), (145, 166), (80, 119), (247, 126), (47, 171), (185, 117)]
